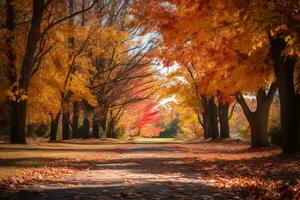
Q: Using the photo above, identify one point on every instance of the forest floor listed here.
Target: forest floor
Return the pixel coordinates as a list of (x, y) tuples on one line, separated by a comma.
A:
[(205, 170)]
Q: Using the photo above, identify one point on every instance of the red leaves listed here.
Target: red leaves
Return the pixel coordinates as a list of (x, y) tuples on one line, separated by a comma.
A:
[(147, 118)]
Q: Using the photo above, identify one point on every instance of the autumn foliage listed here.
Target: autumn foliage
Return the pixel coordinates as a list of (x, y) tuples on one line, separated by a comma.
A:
[(93, 71)]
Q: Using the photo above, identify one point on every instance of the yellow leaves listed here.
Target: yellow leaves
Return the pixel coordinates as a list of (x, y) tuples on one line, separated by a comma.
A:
[(80, 90)]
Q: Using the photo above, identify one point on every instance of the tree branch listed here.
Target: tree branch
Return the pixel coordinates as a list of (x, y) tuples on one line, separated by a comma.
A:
[(240, 99)]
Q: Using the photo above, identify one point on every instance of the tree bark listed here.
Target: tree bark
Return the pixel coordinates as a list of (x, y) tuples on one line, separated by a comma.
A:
[(298, 106), (75, 120), (224, 120), (17, 130), (213, 119), (10, 51), (103, 124), (66, 125), (96, 126), (86, 122), (111, 129), (18, 122), (19, 108), (259, 128), (284, 72), (54, 127), (205, 116), (258, 120)]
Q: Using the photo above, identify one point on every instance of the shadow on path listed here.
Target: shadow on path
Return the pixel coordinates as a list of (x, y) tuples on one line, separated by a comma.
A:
[(141, 172)]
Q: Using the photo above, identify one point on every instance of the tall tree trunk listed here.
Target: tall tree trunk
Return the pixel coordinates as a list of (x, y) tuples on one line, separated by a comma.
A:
[(284, 71), (66, 125), (86, 122), (54, 127), (96, 125), (18, 122), (298, 106), (259, 127), (19, 108), (224, 120), (11, 68), (258, 120), (10, 51), (213, 119), (75, 120), (111, 129), (103, 124), (205, 116)]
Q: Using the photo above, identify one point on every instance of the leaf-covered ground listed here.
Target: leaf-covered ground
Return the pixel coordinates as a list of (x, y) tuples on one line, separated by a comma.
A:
[(206, 170)]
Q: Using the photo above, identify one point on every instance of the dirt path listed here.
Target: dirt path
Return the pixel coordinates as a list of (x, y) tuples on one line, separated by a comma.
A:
[(140, 171)]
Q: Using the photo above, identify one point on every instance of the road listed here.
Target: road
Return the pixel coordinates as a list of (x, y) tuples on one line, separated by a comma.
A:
[(137, 171)]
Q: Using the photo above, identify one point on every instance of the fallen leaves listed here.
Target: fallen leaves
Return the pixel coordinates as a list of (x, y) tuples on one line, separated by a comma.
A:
[(31, 176), (253, 173), (25, 177)]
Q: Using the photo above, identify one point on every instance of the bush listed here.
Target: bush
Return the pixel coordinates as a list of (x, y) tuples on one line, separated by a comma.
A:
[(276, 136)]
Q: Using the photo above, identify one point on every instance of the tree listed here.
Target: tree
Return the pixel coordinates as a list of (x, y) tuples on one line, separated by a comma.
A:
[(144, 119), (258, 119), (225, 114), (276, 24), (26, 63), (211, 41)]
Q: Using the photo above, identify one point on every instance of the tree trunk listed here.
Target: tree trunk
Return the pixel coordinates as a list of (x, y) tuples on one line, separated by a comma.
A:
[(10, 51), (205, 116), (15, 136), (224, 120), (19, 109), (213, 119), (18, 122), (259, 128), (96, 126), (258, 120), (111, 129), (75, 120), (298, 106), (54, 127), (284, 71), (288, 107), (103, 124), (86, 123), (66, 125)]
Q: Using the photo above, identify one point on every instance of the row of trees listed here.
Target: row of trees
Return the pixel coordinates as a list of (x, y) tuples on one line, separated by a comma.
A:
[(233, 48), (62, 61)]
